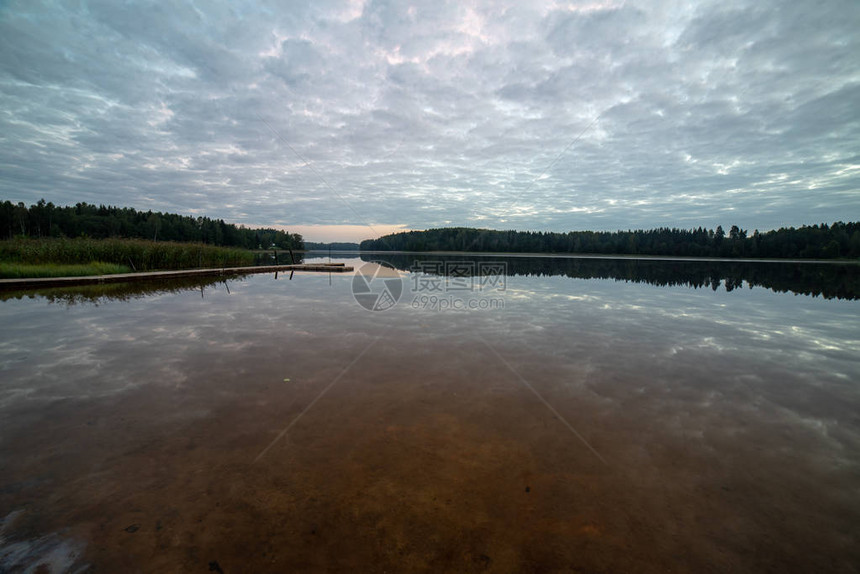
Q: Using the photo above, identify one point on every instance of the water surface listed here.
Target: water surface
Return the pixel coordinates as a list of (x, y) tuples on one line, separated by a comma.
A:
[(606, 417)]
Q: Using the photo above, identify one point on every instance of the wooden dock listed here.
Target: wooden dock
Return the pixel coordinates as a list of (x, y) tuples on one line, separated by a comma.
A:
[(52, 282)]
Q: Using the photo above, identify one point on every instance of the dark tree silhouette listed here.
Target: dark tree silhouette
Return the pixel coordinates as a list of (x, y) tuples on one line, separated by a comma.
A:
[(839, 240), (44, 219)]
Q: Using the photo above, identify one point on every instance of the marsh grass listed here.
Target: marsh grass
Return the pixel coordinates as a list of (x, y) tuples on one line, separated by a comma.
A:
[(135, 254)]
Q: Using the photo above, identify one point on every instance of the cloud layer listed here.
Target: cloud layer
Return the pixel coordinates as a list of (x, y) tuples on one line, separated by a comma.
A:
[(539, 115)]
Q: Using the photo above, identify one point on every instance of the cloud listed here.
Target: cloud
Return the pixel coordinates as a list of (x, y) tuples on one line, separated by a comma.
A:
[(428, 114)]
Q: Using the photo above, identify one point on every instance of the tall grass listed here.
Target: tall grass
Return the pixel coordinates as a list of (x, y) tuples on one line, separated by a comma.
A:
[(141, 254)]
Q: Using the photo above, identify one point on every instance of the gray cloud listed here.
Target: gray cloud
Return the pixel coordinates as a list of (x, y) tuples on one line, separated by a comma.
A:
[(434, 113)]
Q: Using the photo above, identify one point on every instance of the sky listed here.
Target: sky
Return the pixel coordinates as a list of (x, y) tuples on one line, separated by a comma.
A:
[(343, 120)]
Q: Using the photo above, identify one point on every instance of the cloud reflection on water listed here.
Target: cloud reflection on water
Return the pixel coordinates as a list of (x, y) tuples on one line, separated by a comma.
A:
[(739, 406)]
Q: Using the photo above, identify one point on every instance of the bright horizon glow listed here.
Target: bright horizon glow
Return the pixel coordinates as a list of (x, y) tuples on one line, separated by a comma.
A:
[(339, 233)]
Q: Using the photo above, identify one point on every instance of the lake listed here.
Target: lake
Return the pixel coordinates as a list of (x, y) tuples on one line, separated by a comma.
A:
[(438, 413)]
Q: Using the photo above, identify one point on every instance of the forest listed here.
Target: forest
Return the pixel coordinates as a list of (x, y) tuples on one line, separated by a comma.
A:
[(334, 246), (44, 219), (838, 240)]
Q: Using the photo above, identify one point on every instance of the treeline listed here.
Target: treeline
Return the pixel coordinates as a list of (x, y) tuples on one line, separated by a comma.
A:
[(334, 246), (807, 242), (44, 219)]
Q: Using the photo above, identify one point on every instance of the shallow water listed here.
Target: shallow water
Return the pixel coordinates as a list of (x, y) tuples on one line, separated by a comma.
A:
[(628, 422)]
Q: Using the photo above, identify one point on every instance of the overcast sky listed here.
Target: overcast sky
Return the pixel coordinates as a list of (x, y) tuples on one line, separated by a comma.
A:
[(383, 115)]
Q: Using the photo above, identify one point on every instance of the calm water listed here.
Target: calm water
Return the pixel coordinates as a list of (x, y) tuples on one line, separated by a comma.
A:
[(562, 415)]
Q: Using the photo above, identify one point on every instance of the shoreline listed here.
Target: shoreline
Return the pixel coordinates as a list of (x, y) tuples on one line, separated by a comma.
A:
[(588, 256)]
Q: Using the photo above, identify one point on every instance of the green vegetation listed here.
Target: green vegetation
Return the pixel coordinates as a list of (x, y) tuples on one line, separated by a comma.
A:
[(44, 219), (35, 241), (137, 254), (18, 270), (839, 240)]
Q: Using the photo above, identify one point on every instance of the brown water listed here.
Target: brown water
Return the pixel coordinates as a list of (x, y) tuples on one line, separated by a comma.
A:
[(591, 425)]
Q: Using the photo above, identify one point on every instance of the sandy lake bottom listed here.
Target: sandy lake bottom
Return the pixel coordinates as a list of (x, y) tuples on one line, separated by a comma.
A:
[(578, 425)]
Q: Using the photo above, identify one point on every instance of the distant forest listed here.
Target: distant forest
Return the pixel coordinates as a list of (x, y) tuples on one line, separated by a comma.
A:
[(44, 219), (813, 242), (334, 246)]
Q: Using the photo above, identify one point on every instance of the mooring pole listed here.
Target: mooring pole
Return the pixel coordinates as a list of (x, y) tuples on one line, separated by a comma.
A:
[(292, 259)]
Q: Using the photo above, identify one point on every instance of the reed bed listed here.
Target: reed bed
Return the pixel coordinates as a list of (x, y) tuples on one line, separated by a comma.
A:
[(136, 254)]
